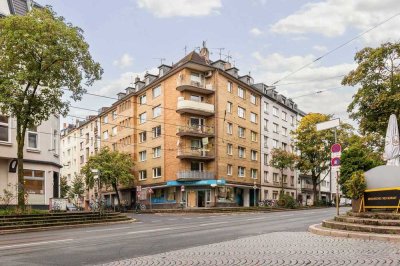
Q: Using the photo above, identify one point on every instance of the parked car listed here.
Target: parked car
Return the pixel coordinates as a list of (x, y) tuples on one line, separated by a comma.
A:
[(71, 207)]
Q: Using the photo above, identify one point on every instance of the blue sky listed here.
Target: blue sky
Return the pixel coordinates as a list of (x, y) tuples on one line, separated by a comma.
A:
[(265, 37)]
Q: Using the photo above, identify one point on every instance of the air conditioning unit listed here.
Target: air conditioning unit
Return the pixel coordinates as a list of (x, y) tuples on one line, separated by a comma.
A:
[(208, 74)]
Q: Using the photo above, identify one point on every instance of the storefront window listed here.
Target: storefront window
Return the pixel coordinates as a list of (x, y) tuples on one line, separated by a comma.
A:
[(225, 194), (34, 181)]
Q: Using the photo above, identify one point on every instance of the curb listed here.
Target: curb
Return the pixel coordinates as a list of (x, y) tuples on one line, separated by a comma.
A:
[(322, 231), (61, 227)]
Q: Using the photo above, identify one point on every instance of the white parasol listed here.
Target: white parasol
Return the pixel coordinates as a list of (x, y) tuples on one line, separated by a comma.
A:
[(392, 143)]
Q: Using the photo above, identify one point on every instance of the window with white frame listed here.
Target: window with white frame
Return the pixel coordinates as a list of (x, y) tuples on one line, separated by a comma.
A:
[(105, 119), (284, 131), (265, 124), (275, 143), (284, 116), (254, 155), (142, 156), (142, 136), (253, 117), (34, 181), (229, 107), (196, 79), (241, 112), (253, 99), (142, 175), (284, 146), (265, 176), (292, 120), (275, 127), (265, 159), (156, 131), (253, 173), (241, 92), (284, 179), (241, 132), (253, 135), (292, 180), (82, 159), (229, 149), (33, 138), (275, 111), (274, 194), (114, 115), (241, 171), (4, 129), (229, 128), (275, 177), (157, 111), (142, 99), (229, 169), (229, 86), (157, 152), (265, 142), (156, 172), (142, 118), (265, 107), (114, 131), (242, 152), (156, 92)]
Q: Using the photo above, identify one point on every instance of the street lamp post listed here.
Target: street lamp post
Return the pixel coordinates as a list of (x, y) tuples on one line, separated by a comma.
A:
[(254, 189)]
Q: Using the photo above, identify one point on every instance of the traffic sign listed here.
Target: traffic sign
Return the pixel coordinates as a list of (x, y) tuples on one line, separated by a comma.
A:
[(182, 188), (336, 148), (335, 161), (150, 191)]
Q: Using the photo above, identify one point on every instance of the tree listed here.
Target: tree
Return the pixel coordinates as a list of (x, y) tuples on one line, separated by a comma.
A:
[(40, 55), (282, 159), (359, 156), (78, 187), (113, 168), (378, 75), (64, 187), (314, 147)]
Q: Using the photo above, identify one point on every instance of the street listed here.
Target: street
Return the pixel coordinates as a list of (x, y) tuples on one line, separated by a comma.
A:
[(151, 234)]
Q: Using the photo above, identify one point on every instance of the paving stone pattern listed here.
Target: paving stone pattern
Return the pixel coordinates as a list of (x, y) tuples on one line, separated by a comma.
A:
[(281, 248)]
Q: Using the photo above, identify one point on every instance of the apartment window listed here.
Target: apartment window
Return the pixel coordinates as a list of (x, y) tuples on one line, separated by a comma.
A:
[(105, 134), (55, 141), (292, 180), (265, 142), (197, 98), (82, 159), (196, 79), (253, 155), (241, 112), (105, 119), (284, 179), (241, 132), (33, 138), (142, 99), (292, 120), (265, 107), (253, 99), (157, 172), (156, 92), (4, 129), (253, 117), (229, 169), (241, 171), (284, 146), (253, 136), (275, 111), (80, 132), (241, 93), (229, 149), (114, 131), (81, 146), (265, 176), (157, 111), (275, 195), (275, 177), (157, 152), (142, 156), (142, 136), (114, 115), (266, 194), (242, 152), (229, 87), (229, 107), (142, 175), (34, 181), (229, 128), (156, 131), (142, 118), (284, 116), (275, 127), (284, 131), (253, 173), (275, 143), (265, 159), (265, 125)]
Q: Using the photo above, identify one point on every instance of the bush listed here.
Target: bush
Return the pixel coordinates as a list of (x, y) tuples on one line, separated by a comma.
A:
[(356, 185), (287, 201)]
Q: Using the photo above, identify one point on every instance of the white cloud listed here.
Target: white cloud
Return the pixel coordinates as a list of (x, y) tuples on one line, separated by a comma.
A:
[(333, 18), (123, 62), (256, 32), (320, 48), (181, 8)]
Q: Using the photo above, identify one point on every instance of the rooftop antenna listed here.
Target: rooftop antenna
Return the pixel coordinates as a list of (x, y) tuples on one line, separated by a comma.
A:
[(228, 57), (234, 63), (161, 59), (220, 52), (185, 48)]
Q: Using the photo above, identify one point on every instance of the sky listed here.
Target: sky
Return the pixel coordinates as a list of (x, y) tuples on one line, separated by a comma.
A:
[(268, 38)]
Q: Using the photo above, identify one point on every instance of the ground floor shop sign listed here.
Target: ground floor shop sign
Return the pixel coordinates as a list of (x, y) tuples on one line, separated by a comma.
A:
[(382, 198)]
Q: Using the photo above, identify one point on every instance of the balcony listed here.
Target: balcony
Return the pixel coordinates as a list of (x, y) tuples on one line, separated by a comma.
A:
[(196, 154), (193, 107), (306, 187), (195, 86), (194, 175), (195, 131)]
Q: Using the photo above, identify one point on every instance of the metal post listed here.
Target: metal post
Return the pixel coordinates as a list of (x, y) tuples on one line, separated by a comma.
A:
[(150, 202), (337, 182), (254, 187)]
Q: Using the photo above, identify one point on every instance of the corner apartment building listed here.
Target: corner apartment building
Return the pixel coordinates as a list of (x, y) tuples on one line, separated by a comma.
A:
[(193, 131)]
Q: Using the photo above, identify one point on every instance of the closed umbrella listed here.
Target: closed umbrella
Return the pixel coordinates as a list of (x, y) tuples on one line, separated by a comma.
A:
[(392, 143)]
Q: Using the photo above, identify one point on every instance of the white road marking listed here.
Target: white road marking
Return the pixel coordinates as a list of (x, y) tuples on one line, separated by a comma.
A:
[(286, 215), (259, 218), (171, 219), (35, 243), (149, 231), (201, 217), (187, 218), (108, 229), (213, 223)]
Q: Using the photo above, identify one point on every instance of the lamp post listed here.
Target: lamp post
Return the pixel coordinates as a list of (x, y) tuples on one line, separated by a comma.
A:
[(254, 190)]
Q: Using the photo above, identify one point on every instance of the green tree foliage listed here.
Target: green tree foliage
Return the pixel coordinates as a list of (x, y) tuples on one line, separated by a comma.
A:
[(114, 168), (314, 147), (64, 188), (282, 159), (359, 156), (78, 187), (356, 185), (378, 78), (40, 55)]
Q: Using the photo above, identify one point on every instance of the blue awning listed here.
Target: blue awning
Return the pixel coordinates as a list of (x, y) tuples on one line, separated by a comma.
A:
[(219, 182)]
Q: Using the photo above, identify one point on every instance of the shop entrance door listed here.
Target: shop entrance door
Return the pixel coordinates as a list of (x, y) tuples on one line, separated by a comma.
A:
[(201, 198)]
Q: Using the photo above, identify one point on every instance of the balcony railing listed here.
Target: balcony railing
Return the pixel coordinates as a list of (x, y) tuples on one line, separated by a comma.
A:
[(195, 86), (195, 130), (194, 107), (194, 175), (194, 153)]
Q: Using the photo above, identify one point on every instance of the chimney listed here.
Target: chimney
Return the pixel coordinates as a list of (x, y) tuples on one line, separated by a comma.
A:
[(204, 52), (228, 65), (137, 79)]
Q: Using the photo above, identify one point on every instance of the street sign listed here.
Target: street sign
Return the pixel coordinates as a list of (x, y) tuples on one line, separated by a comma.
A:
[(336, 148), (328, 124), (182, 188), (254, 187), (335, 161), (139, 188), (150, 191)]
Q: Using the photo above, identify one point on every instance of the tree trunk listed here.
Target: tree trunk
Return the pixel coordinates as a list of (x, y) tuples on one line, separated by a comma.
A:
[(20, 158), (315, 192), (282, 186), (116, 192)]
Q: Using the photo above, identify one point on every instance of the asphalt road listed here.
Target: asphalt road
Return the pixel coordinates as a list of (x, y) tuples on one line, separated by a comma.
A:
[(151, 234)]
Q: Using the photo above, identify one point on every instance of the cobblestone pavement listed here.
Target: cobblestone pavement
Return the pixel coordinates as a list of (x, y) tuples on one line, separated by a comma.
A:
[(281, 248)]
